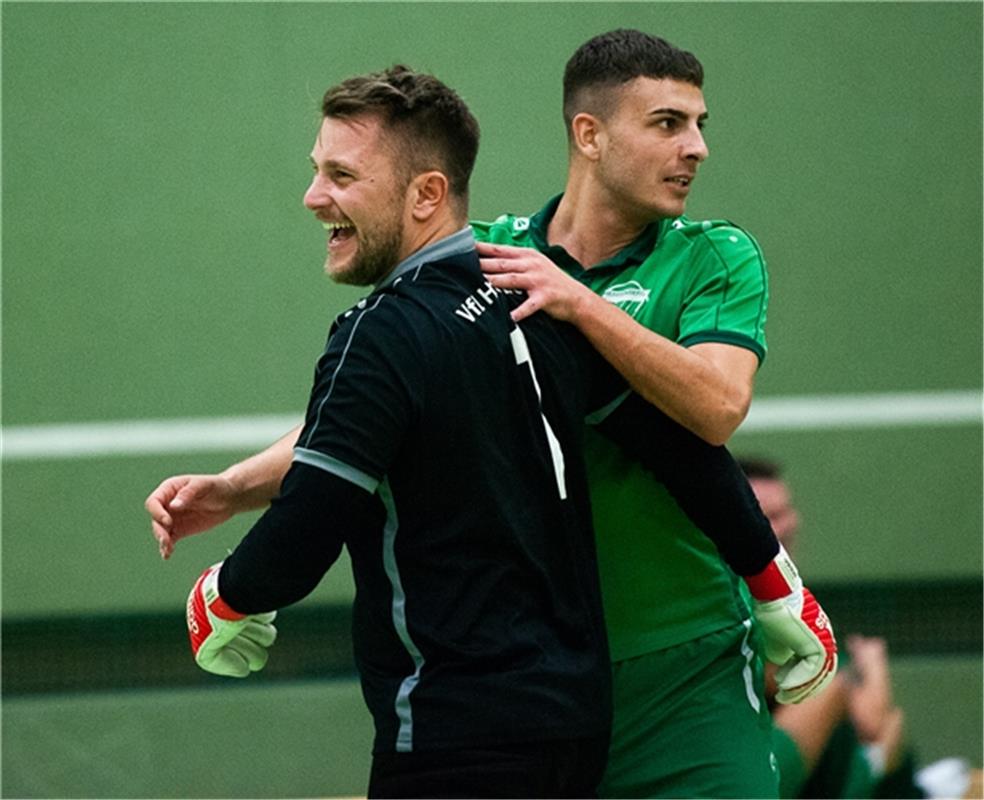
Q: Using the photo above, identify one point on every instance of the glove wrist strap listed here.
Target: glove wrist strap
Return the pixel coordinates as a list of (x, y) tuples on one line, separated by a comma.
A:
[(223, 610), (779, 579), (216, 605)]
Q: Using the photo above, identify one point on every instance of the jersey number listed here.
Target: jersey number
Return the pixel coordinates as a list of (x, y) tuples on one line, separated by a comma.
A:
[(522, 353)]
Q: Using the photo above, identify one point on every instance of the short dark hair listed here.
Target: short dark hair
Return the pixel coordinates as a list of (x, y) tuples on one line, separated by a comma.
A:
[(431, 125), (757, 468), (611, 59)]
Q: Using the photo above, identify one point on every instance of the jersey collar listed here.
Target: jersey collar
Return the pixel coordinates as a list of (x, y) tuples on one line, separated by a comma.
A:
[(454, 245), (632, 254)]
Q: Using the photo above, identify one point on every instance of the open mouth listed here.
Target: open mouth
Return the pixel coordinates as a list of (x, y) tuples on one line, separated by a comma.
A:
[(338, 232), (679, 180)]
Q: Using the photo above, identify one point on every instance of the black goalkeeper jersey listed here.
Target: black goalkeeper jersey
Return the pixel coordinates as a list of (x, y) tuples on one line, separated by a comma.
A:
[(442, 447)]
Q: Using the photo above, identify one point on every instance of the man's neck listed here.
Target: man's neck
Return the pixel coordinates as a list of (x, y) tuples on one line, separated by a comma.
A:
[(432, 231), (588, 225)]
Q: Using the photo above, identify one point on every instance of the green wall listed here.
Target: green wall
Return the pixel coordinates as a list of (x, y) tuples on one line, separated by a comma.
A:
[(158, 263)]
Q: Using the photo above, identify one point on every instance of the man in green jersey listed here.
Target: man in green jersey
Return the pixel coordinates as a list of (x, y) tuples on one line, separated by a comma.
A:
[(678, 306)]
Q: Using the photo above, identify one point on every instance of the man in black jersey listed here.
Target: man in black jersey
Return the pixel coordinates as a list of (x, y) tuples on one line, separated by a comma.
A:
[(441, 447)]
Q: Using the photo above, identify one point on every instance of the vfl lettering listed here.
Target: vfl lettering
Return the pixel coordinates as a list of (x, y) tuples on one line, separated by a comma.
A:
[(477, 303), (471, 309)]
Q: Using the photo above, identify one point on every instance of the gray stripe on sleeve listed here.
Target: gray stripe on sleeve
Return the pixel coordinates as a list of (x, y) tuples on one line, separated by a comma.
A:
[(313, 458)]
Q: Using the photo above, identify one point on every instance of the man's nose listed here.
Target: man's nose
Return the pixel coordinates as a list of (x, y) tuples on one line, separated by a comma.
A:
[(695, 147), (316, 195)]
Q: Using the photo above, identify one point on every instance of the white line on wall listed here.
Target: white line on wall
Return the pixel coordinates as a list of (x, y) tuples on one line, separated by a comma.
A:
[(250, 433), (899, 409)]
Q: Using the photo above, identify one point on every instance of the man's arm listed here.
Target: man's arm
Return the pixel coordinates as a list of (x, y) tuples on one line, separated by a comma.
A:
[(707, 388), (184, 505), (280, 561), (811, 723), (711, 489), (705, 480)]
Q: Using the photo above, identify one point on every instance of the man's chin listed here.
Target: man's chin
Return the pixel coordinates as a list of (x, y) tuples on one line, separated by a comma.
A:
[(338, 271), (349, 274)]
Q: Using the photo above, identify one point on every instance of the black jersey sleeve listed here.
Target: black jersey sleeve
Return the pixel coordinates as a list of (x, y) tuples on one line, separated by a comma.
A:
[(705, 480), (290, 548)]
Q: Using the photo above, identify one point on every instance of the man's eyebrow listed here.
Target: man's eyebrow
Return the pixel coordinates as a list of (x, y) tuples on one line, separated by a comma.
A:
[(677, 113), (329, 163)]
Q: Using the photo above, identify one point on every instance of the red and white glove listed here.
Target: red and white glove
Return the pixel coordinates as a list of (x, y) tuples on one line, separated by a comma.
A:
[(797, 632), (224, 641)]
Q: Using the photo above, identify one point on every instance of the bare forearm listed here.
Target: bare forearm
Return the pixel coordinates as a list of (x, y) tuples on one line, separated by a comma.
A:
[(257, 480), (811, 723), (706, 388), (689, 388)]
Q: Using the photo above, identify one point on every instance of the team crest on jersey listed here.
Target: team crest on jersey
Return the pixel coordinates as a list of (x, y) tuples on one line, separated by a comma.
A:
[(630, 297)]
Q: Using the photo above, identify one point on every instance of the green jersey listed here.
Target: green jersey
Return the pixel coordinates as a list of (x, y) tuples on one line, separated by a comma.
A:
[(663, 581)]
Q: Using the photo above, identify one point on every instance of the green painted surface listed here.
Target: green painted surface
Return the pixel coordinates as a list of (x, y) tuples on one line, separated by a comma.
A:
[(300, 740), (157, 263)]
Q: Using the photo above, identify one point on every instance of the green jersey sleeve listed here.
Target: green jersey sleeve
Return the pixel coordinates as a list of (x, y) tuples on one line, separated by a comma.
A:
[(726, 297)]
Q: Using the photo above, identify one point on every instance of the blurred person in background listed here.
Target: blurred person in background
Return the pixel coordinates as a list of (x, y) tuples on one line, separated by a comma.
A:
[(849, 741)]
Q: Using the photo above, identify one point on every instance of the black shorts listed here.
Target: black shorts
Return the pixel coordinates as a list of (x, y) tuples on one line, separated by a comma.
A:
[(564, 768)]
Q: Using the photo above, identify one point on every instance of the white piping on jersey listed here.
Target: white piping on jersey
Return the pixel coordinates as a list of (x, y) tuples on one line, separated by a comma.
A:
[(338, 367), (335, 467), (456, 244), (746, 672), (404, 711), (522, 352)]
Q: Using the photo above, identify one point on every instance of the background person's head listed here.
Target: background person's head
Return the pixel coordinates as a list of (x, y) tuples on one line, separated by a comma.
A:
[(774, 496), (392, 162)]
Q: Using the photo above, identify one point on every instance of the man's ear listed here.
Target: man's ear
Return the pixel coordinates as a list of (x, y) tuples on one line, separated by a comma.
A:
[(587, 135), (428, 192)]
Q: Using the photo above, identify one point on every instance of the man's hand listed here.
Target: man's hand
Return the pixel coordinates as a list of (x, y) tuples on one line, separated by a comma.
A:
[(548, 287), (224, 641), (870, 701), (798, 636), (188, 504)]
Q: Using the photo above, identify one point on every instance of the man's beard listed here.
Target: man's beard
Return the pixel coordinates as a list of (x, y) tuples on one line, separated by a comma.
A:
[(377, 252)]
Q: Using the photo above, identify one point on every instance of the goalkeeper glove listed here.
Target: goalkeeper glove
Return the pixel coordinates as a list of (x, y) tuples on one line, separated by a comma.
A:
[(224, 641), (797, 633)]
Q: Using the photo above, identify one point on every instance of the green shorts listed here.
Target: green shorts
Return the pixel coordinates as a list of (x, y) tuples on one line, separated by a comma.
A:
[(691, 721)]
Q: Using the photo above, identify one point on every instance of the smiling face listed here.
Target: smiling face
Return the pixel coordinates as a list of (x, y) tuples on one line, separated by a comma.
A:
[(359, 197), (651, 146)]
